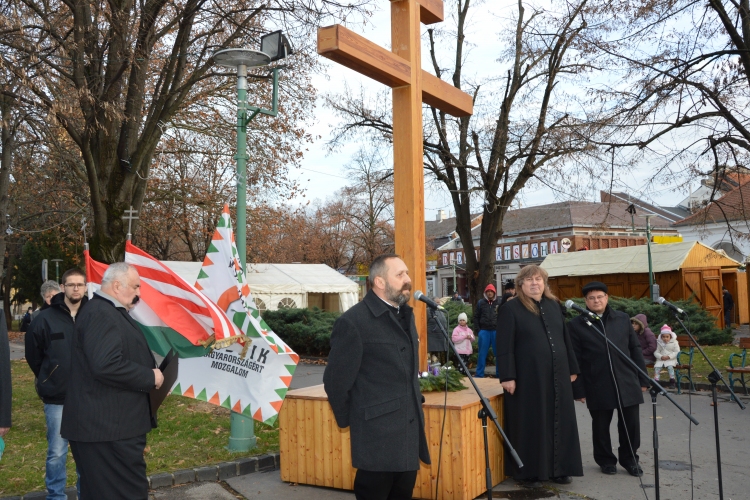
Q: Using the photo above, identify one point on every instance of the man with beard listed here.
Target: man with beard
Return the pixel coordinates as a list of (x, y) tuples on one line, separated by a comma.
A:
[(107, 408), (372, 386), (48, 343)]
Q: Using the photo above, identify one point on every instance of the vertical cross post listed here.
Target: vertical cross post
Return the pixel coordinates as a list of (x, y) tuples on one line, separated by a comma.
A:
[(408, 176)]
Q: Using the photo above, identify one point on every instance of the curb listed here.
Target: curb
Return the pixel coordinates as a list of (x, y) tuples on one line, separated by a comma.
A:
[(217, 472)]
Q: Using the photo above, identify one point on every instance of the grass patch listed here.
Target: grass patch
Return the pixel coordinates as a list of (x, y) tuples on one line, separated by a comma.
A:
[(191, 433)]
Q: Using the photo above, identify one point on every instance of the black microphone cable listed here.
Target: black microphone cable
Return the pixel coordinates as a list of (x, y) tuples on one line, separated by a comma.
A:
[(621, 416), (442, 431)]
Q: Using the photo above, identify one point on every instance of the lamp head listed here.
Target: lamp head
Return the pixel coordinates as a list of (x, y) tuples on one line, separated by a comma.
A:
[(275, 45)]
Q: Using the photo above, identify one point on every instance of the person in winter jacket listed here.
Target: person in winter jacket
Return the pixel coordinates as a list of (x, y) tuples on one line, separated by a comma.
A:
[(48, 349), (645, 336), (667, 350), (462, 338), (485, 322)]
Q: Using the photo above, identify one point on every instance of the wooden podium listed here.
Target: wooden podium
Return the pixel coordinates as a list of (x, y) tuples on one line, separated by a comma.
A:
[(314, 450)]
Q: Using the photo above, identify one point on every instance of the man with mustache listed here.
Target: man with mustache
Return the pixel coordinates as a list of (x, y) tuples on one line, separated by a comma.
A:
[(372, 386), (107, 410)]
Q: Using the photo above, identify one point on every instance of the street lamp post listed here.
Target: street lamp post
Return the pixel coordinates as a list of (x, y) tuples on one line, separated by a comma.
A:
[(648, 250), (273, 47), (57, 269)]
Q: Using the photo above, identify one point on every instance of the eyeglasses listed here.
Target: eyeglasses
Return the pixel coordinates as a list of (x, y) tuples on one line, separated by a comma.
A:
[(598, 298), (75, 285)]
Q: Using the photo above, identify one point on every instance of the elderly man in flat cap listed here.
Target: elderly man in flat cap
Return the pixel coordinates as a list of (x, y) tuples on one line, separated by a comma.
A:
[(607, 381)]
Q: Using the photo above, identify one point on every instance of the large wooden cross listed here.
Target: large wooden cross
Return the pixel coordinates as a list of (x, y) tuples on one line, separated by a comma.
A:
[(401, 70)]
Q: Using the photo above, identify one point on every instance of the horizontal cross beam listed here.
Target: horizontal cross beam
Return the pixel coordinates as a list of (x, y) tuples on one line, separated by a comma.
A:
[(363, 56)]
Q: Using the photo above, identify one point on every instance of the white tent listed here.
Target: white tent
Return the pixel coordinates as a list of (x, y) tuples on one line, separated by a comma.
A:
[(276, 286)]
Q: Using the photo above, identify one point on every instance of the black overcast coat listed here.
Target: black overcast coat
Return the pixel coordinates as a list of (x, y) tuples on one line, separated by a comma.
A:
[(48, 345), (372, 386), (540, 418), (111, 375), (595, 382)]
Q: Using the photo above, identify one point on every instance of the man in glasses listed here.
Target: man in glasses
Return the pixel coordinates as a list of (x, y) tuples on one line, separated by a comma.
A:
[(48, 347), (607, 382)]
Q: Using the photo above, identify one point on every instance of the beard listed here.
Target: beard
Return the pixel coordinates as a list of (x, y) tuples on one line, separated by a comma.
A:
[(397, 295), (75, 300)]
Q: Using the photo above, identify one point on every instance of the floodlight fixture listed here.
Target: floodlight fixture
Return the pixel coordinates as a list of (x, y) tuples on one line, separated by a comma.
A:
[(275, 45)]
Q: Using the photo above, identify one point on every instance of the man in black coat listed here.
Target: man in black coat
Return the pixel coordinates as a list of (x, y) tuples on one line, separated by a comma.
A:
[(107, 408), (48, 346), (596, 386), (372, 385)]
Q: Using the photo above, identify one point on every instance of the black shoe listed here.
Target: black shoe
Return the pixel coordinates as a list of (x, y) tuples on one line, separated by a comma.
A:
[(608, 469), (672, 383), (529, 483), (634, 470), (563, 479)]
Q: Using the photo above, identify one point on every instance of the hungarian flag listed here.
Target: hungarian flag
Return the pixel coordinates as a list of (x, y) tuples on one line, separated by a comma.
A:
[(187, 321), (231, 358)]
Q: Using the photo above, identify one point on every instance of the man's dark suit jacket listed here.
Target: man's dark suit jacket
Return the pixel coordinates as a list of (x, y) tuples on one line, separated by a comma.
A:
[(372, 386), (111, 375)]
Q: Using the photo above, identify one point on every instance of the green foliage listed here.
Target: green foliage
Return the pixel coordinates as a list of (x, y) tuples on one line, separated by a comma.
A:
[(436, 383), (307, 331), (700, 322), (27, 272)]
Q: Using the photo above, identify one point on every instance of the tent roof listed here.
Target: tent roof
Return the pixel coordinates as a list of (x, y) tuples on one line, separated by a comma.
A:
[(665, 257), (280, 278)]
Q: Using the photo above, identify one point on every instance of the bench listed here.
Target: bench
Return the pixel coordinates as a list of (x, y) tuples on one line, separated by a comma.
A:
[(684, 341), (742, 369)]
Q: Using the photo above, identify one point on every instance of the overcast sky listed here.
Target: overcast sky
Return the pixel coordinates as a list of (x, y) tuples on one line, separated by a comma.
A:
[(322, 173)]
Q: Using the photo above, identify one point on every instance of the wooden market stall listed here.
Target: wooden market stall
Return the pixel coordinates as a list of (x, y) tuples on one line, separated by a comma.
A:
[(682, 270)]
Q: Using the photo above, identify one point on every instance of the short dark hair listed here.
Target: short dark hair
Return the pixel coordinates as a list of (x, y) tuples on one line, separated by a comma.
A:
[(378, 266), (72, 272)]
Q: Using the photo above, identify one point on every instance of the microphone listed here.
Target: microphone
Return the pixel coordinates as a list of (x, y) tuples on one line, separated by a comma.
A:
[(664, 302), (430, 303), (572, 305)]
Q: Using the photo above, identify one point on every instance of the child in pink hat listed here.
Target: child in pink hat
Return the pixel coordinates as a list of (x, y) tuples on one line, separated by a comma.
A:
[(666, 353)]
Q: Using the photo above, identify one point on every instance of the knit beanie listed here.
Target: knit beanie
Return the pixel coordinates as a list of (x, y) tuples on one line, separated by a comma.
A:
[(463, 316), (666, 329)]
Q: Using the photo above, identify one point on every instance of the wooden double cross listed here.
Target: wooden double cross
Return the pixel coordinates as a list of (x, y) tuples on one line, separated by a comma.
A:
[(401, 70)]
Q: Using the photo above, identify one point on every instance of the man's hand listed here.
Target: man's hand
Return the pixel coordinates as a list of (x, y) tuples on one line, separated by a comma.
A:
[(158, 378), (581, 400), (509, 386), (4, 431), (573, 378), (644, 389)]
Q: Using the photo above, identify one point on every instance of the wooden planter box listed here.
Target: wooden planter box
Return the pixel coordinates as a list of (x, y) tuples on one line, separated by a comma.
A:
[(314, 450)]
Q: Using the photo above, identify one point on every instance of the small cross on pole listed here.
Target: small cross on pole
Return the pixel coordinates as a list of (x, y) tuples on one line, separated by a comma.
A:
[(130, 216)]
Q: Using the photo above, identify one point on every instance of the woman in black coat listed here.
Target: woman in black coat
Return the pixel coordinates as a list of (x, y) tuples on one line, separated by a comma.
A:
[(537, 366)]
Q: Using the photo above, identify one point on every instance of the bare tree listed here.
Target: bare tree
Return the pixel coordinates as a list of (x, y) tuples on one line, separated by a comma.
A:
[(525, 129), (113, 75)]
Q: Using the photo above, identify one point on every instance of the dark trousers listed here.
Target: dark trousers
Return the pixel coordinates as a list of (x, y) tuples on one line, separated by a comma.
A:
[(112, 469), (629, 419), (369, 485)]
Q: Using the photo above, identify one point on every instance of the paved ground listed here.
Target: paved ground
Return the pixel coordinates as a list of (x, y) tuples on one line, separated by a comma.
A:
[(673, 454)]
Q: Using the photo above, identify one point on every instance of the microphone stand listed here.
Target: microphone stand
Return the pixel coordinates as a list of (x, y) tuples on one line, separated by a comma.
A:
[(713, 377), (486, 412), (655, 390)]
